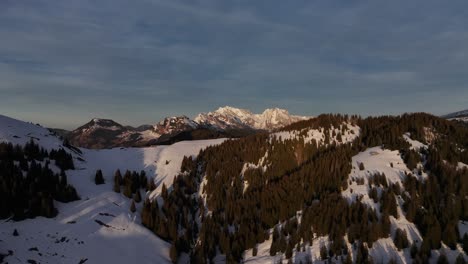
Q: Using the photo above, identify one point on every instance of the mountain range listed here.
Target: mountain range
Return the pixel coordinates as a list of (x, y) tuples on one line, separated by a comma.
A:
[(458, 116), (339, 188), (223, 122)]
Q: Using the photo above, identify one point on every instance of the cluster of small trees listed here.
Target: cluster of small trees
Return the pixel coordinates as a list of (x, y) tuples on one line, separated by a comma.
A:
[(28, 187), (131, 183)]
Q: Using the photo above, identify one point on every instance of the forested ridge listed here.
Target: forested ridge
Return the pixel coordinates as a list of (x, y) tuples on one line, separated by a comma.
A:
[(263, 187)]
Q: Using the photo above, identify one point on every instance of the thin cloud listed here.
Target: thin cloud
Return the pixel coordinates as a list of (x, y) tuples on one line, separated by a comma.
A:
[(161, 57)]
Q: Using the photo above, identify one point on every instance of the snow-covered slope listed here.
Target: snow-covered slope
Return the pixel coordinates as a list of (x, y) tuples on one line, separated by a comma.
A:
[(458, 116), (170, 160), (99, 228), (19, 132), (389, 163), (375, 160), (234, 118), (346, 133)]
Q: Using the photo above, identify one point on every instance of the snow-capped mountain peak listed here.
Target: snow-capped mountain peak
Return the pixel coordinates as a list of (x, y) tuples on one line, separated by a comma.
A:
[(106, 133), (238, 112), (235, 118), (19, 132), (170, 125), (276, 117), (100, 123)]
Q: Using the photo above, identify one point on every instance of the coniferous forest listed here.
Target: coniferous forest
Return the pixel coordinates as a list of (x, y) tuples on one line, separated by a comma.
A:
[(28, 186), (291, 192)]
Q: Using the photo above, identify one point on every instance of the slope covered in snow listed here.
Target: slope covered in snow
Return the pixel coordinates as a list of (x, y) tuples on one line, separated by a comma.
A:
[(458, 116), (365, 166), (94, 228), (463, 113), (346, 133), (19, 132)]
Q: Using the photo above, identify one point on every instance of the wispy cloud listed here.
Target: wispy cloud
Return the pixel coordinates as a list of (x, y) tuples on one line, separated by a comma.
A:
[(137, 61)]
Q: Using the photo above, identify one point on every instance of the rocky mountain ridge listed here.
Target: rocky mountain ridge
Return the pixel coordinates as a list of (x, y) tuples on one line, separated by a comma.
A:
[(224, 122)]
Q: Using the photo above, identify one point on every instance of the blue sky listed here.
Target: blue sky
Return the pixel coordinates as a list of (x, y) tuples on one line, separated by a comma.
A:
[(136, 61)]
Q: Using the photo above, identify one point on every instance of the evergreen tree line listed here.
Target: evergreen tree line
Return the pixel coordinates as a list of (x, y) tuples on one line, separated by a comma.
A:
[(174, 220), (28, 188)]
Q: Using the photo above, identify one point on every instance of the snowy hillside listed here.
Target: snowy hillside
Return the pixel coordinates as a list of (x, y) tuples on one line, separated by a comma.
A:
[(345, 133), (94, 228), (375, 161), (458, 116), (19, 132), (333, 188)]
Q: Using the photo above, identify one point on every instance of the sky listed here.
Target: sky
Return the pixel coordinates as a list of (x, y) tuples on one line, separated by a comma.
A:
[(137, 61)]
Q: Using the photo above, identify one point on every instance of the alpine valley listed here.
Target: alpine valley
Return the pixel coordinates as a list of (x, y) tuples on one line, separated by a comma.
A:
[(231, 186)]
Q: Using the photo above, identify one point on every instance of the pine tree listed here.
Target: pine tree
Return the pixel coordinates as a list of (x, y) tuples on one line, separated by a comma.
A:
[(289, 251), (465, 243), (15, 233), (117, 181), (348, 259), (98, 179), (128, 190), (361, 166), (164, 193), (137, 197), (150, 185), (173, 253), (442, 259), (400, 239), (414, 250), (132, 207), (254, 251), (323, 252), (450, 236), (63, 178), (460, 259)]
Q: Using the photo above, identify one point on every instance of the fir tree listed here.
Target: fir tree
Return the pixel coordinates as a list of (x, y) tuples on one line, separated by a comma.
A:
[(128, 190), (414, 250), (323, 252), (173, 253), (137, 197), (465, 243), (442, 259), (460, 259), (400, 239), (98, 178), (361, 166), (117, 181), (254, 251), (132, 207)]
